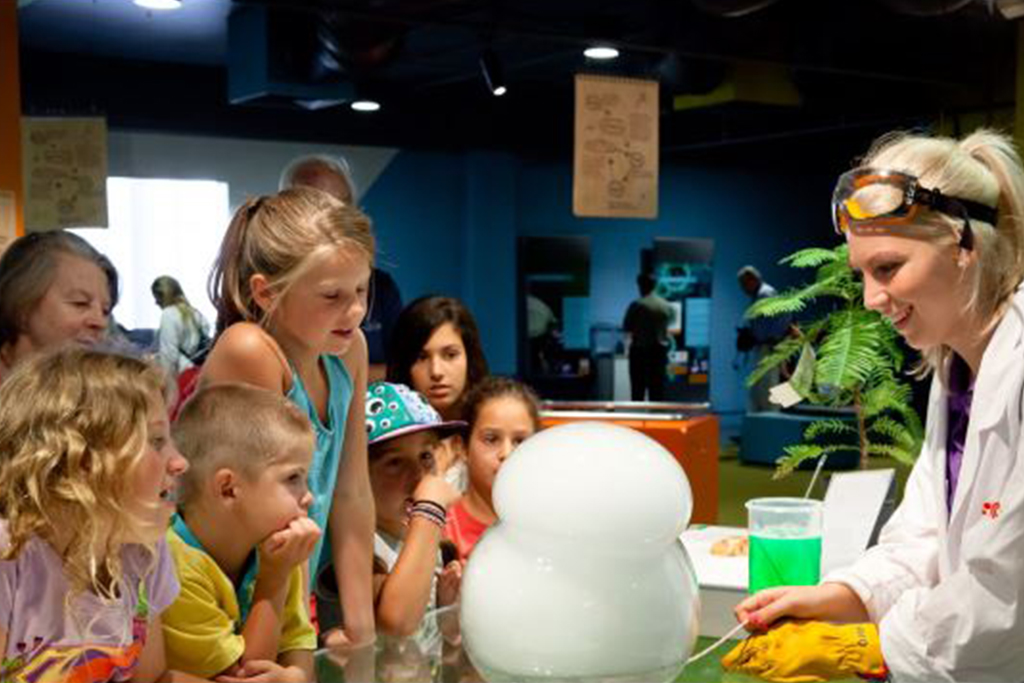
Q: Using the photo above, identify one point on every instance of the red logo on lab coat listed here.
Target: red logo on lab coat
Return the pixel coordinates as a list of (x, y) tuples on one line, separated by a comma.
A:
[(990, 509)]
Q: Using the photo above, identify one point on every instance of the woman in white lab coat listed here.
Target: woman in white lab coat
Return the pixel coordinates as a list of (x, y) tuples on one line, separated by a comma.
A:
[(935, 226)]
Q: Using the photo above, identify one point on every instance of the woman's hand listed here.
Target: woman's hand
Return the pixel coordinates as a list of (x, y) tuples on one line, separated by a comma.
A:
[(826, 602)]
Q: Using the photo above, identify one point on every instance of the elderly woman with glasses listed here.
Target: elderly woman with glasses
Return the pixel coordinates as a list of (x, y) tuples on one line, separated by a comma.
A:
[(935, 227)]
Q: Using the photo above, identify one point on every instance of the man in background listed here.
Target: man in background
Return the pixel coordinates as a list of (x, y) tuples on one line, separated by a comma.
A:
[(758, 336), (333, 176), (646, 326)]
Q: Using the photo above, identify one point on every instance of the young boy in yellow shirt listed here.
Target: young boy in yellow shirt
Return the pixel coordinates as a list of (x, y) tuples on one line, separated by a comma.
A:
[(241, 537)]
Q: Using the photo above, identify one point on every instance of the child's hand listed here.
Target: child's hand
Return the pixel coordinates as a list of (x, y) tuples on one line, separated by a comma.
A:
[(436, 490), (449, 583), (283, 550), (265, 671)]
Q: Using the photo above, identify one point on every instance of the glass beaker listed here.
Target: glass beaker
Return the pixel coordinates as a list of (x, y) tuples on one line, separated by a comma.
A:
[(785, 542)]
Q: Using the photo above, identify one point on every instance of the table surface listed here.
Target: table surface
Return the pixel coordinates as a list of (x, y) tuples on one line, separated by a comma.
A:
[(394, 660)]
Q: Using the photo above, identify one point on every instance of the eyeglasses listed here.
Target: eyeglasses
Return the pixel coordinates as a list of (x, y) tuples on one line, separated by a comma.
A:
[(890, 198)]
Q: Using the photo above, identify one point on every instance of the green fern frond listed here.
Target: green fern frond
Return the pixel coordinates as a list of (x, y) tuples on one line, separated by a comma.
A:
[(797, 453), (783, 351), (796, 300), (903, 455), (888, 395), (829, 426), (810, 258), (794, 455), (786, 303), (849, 353), (896, 432), (914, 424)]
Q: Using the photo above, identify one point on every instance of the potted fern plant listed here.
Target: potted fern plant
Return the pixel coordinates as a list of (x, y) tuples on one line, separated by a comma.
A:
[(847, 357)]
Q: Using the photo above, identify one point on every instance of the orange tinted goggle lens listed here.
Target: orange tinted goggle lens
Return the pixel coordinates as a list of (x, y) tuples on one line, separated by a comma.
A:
[(881, 198)]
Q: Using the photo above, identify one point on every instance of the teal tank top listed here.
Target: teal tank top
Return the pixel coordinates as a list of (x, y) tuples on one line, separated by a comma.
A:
[(330, 440)]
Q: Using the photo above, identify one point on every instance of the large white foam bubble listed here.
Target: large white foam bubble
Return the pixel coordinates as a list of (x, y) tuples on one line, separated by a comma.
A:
[(584, 577)]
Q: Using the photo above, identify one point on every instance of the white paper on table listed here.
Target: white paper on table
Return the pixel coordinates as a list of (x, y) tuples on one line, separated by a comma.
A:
[(715, 571), (852, 505)]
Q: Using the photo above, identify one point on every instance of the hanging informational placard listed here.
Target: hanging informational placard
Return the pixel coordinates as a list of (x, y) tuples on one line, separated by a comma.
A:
[(8, 219), (65, 172), (615, 170)]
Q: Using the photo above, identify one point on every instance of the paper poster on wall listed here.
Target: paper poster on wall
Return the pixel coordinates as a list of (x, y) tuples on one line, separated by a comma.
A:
[(65, 172), (8, 219), (615, 167)]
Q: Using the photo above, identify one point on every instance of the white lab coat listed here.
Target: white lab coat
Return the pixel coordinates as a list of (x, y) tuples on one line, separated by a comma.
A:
[(947, 590)]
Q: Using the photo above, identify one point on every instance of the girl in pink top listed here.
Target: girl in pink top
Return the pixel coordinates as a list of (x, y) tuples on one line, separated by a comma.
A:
[(501, 414)]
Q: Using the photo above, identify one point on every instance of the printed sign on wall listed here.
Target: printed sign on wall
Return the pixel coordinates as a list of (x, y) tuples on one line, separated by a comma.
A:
[(615, 170), (65, 172), (8, 219)]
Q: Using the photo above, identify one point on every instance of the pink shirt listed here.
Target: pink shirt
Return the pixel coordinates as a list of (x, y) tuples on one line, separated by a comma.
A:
[(463, 529)]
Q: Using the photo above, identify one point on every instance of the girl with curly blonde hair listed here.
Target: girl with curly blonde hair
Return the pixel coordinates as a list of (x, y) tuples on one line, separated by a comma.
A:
[(87, 476)]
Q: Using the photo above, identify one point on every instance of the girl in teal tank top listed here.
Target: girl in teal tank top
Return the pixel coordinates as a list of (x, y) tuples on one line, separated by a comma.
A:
[(330, 437)]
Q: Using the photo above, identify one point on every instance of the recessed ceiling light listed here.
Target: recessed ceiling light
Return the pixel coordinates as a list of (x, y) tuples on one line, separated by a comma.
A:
[(365, 105), (494, 75), (159, 4), (601, 52)]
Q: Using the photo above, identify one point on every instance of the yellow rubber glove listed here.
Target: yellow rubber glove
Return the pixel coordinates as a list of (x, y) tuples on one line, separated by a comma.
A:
[(810, 651)]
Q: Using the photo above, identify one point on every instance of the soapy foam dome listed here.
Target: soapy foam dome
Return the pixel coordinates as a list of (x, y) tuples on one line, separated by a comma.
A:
[(583, 578)]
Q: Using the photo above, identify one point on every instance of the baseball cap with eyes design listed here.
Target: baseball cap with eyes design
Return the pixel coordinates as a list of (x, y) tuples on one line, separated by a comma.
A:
[(394, 410)]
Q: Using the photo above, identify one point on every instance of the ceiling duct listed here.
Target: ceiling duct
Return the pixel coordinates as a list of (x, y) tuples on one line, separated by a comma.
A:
[(357, 46), (732, 8), (276, 58), (925, 8)]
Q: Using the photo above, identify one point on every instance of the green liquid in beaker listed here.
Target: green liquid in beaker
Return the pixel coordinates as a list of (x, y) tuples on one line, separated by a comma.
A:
[(784, 562)]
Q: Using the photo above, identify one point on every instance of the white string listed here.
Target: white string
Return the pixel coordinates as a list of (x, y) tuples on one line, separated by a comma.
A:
[(817, 471), (706, 651)]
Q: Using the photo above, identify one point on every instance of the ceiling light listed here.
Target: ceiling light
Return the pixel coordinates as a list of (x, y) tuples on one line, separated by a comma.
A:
[(601, 52), (494, 75), (159, 4), (365, 105)]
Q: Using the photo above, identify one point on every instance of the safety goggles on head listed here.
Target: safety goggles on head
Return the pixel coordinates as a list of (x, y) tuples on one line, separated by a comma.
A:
[(888, 198)]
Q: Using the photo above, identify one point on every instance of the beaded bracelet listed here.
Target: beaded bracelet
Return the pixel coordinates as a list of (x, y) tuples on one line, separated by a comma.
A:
[(433, 513), (430, 504)]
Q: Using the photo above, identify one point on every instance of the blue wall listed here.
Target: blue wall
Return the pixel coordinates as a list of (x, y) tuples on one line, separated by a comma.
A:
[(448, 223)]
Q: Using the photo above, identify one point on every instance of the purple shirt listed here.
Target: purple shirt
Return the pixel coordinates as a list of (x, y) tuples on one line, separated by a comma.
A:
[(95, 641), (961, 391)]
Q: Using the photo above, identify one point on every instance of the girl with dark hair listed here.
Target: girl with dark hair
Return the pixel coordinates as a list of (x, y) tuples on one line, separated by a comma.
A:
[(500, 413), (435, 349)]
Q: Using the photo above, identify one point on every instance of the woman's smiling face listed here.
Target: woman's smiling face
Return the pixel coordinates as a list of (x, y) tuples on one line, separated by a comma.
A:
[(917, 284)]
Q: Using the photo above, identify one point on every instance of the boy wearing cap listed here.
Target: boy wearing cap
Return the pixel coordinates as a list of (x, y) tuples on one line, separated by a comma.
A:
[(411, 502)]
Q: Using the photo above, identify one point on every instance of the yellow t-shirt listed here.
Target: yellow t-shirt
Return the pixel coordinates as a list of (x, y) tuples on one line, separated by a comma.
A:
[(202, 628)]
